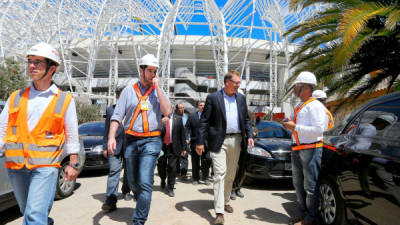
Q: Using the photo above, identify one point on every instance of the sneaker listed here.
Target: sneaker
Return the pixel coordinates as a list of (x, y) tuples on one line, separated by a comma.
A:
[(233, 195), (127, 197), (195, 182), (208, 182), (239, 193)]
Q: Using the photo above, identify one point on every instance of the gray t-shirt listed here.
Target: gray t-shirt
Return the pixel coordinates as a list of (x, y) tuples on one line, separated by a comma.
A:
[(126, 106)]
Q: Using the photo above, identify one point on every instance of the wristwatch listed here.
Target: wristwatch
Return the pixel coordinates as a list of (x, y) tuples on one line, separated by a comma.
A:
[(75, 165)]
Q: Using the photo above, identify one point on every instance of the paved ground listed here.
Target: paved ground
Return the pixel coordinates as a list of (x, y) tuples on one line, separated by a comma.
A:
[(265, 202)]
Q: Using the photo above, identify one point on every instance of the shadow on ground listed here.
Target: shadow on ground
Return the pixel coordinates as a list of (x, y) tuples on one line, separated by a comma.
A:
[(200, 207), (266, 215), (119, 215), (209, 191), (9, 215)]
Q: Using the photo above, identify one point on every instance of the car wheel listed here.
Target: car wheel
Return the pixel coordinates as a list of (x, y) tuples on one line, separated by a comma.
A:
[(331, 203), (64, 188)]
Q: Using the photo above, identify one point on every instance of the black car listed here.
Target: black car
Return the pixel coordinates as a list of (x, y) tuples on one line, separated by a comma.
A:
[(270, 157), (360, 171), (92, 135)]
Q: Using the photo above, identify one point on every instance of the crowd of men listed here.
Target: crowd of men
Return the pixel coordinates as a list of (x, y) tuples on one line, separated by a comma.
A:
[(40, 121)]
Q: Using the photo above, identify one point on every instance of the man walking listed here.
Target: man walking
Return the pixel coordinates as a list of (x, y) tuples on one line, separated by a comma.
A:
[(116, 163), (226, 121), (142, 105), (174, 146), (202, 162), (36, 125), (183, 163), (307, 127)]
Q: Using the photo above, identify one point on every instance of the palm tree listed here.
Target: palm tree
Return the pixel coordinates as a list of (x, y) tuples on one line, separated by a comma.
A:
[(348, 40)]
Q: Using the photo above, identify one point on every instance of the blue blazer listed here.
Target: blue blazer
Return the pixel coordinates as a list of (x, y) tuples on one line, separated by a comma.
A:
[(213, 121)]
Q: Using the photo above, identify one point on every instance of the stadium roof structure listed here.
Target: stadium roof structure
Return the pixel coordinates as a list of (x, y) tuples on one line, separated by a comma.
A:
[(105, 38)]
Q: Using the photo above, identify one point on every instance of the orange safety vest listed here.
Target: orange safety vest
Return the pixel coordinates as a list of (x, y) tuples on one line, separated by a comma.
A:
[(331, 121), (143, 111), (303, 146), (41, 147)]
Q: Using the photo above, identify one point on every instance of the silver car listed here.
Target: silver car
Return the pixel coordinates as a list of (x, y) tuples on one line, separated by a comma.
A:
[(64, 188)]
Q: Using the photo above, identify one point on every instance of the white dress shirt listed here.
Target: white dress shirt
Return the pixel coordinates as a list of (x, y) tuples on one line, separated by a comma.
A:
[(37, 104), (310, 122)]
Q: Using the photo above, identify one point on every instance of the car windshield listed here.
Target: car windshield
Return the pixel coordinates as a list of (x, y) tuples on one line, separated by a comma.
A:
[(91, 129), (272, 130)]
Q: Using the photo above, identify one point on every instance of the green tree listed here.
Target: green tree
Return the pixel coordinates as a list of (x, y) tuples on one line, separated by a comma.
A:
[(87, 112), (348, 40), (11, 78)]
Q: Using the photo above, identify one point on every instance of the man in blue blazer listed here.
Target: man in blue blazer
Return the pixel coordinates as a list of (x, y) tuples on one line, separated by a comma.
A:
[(226, 121), (115, 162)]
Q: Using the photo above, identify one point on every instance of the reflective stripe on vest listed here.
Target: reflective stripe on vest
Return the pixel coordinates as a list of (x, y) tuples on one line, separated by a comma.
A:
[(294, 132), (43, 146), (331, 121), (146, 132)]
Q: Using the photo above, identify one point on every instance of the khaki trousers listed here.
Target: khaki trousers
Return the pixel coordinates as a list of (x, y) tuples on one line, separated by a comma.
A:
[(225, 163)]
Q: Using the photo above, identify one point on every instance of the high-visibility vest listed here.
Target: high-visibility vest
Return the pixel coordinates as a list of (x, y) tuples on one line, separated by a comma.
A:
[(299, 146), (143, 111), (41, 147), (331, 122)]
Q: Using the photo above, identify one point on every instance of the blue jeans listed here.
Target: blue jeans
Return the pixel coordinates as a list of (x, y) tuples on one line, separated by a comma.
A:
[(116, 164), (34, 191), (306, 165), (141, 158)]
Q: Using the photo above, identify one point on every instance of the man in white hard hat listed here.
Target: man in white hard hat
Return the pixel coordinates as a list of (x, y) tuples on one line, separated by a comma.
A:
[(321, 96), (141, 107), (36, 125), (307, 127)]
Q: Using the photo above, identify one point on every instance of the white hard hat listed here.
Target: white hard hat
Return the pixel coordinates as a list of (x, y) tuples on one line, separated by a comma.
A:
[(306, 77), (388, 118), (46, 51), (319, 94), (148, 60)]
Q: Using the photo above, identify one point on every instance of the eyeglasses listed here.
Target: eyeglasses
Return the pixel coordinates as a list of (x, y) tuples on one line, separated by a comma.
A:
[(36, 63)]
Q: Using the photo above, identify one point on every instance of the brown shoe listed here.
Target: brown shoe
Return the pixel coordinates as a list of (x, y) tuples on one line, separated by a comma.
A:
[(219, 220), (228, 209)]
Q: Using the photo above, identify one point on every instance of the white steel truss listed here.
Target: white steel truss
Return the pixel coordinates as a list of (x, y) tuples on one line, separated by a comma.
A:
[(105, 38)]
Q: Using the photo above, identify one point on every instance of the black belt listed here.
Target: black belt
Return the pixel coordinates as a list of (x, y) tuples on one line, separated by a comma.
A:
[(231, 134), (131, 137)]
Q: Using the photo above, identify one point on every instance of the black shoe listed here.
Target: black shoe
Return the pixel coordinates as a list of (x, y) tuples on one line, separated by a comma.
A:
[(170, 193), (162, 184), (109, 206)]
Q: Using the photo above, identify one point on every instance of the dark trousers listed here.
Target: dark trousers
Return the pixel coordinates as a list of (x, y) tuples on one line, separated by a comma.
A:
[(241, 171), (167, 167), (183, 165), (202, 163)]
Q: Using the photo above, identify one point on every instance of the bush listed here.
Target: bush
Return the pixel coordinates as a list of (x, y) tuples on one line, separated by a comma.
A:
[(87, 112), (11, 78)]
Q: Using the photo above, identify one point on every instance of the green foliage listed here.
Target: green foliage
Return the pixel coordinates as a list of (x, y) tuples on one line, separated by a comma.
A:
[(348, 40), (87, 112), (11, 78)]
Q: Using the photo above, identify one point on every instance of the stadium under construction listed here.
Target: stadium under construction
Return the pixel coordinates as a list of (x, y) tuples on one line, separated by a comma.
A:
[(196, 42)]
